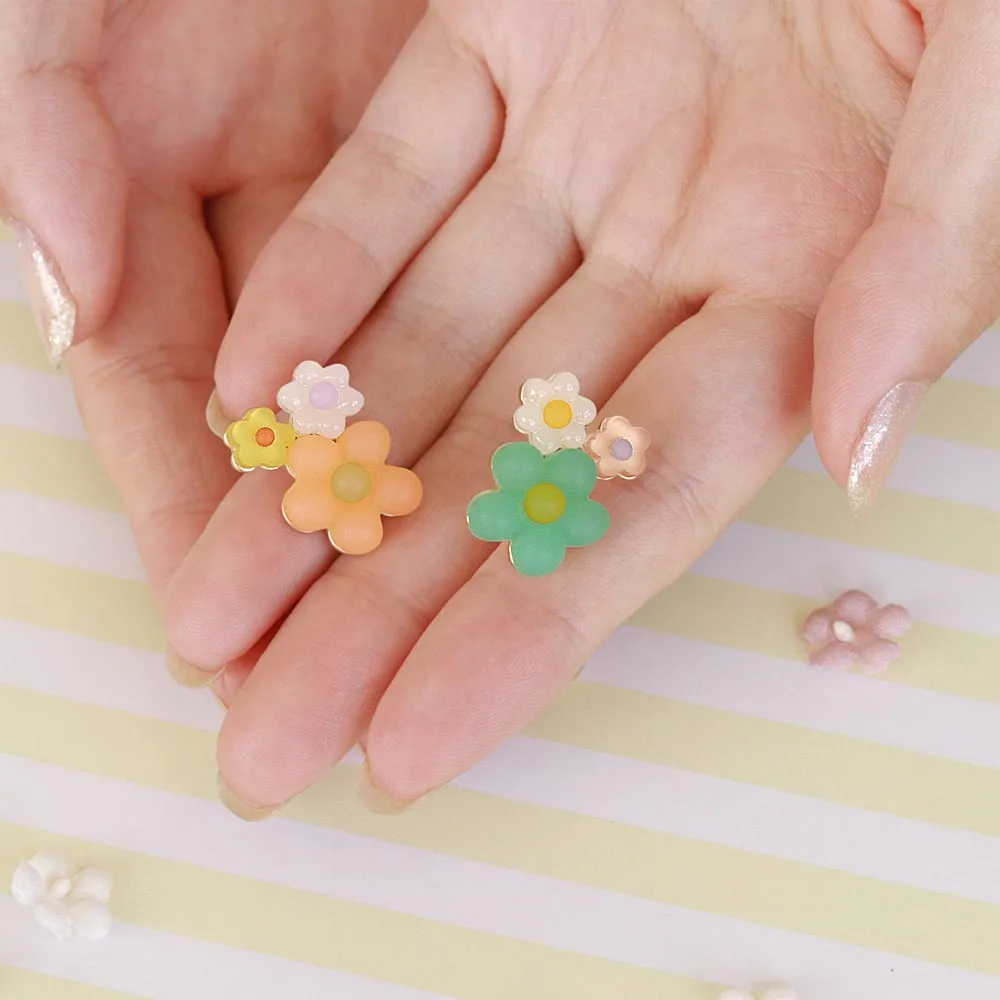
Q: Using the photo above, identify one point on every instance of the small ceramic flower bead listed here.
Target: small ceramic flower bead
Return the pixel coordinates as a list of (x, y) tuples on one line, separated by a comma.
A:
[(319, 400), (554, 415), (619, 449), (344, 487), (542, 506), (259, 440)]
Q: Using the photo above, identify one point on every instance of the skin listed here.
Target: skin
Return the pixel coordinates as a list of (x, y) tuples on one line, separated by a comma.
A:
[(722, 214)]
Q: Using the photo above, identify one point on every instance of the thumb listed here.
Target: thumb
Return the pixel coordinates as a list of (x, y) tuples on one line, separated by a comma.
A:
[(924, 280), (62, 178)]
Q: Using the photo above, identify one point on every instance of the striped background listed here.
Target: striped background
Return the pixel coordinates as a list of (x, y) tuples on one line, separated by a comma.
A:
[(700, 808)]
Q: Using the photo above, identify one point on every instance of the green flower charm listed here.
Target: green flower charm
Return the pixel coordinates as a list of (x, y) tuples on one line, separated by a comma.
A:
[(542, 505)]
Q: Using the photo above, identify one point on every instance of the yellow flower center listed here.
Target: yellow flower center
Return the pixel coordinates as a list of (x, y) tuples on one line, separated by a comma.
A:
[(350, 482), (264, 437), (557, 413), (544, 503)]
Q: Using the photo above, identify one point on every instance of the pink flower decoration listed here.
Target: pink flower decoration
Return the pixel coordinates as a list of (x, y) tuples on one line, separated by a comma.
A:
[(855, 630)]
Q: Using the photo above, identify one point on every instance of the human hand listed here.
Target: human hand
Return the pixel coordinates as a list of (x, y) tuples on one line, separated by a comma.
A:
[(152, 147), (655, 195)]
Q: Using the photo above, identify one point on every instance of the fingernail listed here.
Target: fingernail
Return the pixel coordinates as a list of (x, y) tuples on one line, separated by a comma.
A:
[(51, 303), (216, 417), (880, 441), (187, 674), (244, 810), (376, 799)]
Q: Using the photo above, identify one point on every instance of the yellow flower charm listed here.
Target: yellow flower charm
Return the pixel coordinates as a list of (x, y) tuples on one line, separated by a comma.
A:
[(259, 440)]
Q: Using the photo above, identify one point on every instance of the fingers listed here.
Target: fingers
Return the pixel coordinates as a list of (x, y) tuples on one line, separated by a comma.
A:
[(430, 132), (925, 279), (501, 254), (315, 688), (242, 222), (142, 381), (62, 178), (724, 399)]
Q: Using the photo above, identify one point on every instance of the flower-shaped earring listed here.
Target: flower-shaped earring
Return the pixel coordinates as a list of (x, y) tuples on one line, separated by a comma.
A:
[(542, 503), (344, 487), (619, 449), (542, 506), (259, 440), (342, 483), (319, 400), (553, 413)]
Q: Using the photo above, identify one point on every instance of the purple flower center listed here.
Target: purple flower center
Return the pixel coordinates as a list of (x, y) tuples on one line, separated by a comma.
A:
[(621, 449), (323, 395)]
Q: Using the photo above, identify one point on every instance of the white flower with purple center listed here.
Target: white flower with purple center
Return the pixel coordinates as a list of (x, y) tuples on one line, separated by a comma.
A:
[(319, 400)]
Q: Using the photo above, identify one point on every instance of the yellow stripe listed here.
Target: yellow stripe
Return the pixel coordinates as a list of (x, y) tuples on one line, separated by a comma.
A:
[(767, 622), (350, 937), (906, 523), (79, 601), (962, 411), (20, 341), (776, 755), (54, 467), (19, 984), (6, 236), (580, 849)]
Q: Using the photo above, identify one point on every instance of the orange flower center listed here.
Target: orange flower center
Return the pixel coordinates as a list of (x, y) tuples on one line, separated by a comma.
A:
[(351, 482), (264, 437)]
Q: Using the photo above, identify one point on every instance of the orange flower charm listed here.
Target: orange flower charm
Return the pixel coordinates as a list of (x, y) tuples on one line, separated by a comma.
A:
[(619, 449), (344, 487)]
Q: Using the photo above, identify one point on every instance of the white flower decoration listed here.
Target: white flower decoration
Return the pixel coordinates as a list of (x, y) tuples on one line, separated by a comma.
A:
[(65, 902), (319, 400), (776, 991), (554, 414)]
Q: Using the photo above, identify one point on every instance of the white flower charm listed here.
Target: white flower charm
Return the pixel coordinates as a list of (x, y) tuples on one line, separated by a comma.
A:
[(554, 414), (65, 902), (319, 400), (776, 991)]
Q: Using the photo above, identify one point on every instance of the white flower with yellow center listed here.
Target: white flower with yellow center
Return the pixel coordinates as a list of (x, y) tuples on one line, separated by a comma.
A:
[(553, 413)]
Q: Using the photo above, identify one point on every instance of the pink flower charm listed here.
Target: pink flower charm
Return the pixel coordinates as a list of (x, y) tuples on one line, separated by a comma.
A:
[(855, 630), (618, 448)]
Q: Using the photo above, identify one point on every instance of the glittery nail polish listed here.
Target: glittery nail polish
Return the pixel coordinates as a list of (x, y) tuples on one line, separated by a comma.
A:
[(880, 441), (53, 307)]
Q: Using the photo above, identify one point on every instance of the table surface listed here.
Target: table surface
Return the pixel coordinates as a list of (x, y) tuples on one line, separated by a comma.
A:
[(700, 808)]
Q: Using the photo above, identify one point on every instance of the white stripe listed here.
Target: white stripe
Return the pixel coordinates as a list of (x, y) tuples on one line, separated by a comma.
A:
[(469, 894), (981, 361), (98, 673), (11, 289), (821, 569), (163, 966), (863, 708), (932, 467), (62, 533), (37, 401)]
